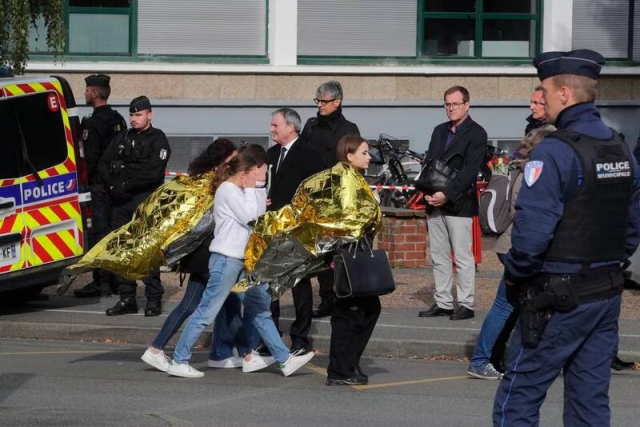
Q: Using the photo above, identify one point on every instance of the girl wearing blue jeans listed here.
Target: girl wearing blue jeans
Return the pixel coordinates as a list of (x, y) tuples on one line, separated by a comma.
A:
[(237, 203), (481, 366), (196, 264)]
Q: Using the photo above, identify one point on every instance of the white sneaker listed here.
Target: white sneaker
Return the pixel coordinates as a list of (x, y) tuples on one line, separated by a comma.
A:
[(184, 370), (294, 363), (159, 361), (257, 362), (228, 363)]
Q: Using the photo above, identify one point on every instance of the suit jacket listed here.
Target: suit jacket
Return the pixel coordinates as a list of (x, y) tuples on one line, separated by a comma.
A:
[(300, 163), (470, 141)]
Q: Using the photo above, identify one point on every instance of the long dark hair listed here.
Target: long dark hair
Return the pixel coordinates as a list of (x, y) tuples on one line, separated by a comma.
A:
[(212, 156), (248, 156)]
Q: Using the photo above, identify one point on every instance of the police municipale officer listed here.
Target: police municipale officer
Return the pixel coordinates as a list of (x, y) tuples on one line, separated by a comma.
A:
[(575, 222)]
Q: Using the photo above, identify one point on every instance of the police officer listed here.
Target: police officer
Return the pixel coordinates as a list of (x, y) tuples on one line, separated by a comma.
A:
[(132, 168), (323, 132), (575, 222), (98, 129)]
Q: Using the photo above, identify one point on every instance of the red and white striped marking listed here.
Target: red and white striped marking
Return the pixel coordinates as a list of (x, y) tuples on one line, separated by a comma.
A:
[(392, 187)]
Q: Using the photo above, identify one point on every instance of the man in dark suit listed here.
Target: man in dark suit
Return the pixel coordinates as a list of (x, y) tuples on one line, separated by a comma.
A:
[(323, 132), (291, 161), (450, 213)]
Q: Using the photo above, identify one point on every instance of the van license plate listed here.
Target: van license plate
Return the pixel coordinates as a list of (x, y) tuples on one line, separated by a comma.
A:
[(9, 253)]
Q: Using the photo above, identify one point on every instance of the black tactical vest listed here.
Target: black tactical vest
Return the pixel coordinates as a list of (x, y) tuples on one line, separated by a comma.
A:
[(593, 227)]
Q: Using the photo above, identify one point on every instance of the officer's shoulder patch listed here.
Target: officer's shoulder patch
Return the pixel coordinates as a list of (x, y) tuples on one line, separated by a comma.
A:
[(532, 171), (85, 134), (163, 154)]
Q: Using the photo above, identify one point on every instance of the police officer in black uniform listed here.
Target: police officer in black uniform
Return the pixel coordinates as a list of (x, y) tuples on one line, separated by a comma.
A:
[(323, 132), (98, 129), (576, 222), (132, 168)]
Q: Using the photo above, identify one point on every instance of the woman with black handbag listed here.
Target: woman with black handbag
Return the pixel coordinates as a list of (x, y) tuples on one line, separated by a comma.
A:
[(353, 318)]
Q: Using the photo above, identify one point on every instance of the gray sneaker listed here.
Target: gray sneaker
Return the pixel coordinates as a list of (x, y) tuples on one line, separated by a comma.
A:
[(484, 372)]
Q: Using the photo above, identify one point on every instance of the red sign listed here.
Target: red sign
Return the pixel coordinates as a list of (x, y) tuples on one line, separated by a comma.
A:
[(52, 103)]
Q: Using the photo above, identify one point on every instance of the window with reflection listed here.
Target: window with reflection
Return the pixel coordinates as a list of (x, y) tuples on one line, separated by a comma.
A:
[(95, 27), (480, 28)]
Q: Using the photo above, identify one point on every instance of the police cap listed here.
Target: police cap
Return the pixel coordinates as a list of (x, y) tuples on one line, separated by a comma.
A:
[(140, 103), (99, 80), (583, 62)]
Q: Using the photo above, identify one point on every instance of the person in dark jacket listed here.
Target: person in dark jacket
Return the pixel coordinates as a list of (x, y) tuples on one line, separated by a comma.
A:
[(450, 213), (98, 129), (291, 161), (323, 132), (538, 117), (132, 168)]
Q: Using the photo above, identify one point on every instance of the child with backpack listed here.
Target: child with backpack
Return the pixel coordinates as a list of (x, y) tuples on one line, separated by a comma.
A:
[(507, 190)]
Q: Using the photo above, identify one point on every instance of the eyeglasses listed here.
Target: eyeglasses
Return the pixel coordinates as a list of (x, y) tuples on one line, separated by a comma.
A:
[(453, 105), (542, 104), (323, 101)]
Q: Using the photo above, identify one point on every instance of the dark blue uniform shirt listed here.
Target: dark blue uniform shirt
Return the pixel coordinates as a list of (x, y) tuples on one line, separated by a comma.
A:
[(539, 207)]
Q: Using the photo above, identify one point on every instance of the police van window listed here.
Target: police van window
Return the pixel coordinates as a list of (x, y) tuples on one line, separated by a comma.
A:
[(99, 3), (43, 130)]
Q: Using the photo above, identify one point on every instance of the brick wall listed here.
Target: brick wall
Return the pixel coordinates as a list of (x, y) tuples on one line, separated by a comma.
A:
[(404, 237)]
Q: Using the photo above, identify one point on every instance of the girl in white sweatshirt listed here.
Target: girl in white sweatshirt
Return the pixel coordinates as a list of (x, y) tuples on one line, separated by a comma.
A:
[(239, 200)]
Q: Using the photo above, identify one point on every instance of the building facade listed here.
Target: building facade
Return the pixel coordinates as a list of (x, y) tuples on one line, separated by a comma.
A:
[(218, 68)]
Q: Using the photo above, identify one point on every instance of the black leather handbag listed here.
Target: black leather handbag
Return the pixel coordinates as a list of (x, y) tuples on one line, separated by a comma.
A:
[(436, 175), (360, 271)]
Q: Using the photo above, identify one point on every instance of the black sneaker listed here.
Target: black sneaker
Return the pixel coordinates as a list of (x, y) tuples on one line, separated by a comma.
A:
[(126, 306), (618, 364), (346, 381)]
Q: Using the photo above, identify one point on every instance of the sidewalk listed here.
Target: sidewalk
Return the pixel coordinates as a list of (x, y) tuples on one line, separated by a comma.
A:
[(399, 332)]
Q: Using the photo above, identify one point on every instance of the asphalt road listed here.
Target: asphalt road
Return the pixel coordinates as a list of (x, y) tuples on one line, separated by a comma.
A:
[(57, 383)]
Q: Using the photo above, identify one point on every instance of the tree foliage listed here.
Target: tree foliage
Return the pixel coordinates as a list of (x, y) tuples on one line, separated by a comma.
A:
[(16, 17)]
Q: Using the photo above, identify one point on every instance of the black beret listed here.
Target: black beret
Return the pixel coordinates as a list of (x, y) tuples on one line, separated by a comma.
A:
[(100, 80), (140, 103), (583, 62)]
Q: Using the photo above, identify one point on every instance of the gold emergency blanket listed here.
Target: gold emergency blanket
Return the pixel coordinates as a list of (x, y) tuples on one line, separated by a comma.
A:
[(329, 209), (169, 224)]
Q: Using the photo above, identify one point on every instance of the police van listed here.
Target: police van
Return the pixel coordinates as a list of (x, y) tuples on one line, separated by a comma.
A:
[(44, 212)]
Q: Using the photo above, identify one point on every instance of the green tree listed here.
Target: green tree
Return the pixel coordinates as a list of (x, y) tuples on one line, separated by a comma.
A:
[(16, 16)]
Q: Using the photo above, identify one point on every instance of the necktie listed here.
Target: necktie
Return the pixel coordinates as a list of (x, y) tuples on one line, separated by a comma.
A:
[(283, 152)]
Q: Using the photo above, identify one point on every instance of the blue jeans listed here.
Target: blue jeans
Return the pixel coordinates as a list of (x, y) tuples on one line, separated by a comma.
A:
[(492, 325), (257, 313), (224, 272), (230, 331), (227, 331)]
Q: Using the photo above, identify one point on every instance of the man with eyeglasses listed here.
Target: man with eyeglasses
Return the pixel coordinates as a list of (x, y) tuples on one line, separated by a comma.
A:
[(322, 132), (462, 143), (538, 117)]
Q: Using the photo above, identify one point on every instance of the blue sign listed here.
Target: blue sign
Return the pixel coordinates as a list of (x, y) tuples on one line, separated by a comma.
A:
[(57, 186)]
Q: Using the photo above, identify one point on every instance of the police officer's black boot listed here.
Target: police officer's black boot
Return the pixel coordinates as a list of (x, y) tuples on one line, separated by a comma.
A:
[(126, 305), (153, 308)]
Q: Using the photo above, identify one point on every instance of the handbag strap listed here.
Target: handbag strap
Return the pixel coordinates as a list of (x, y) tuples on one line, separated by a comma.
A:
[(355, 245)]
